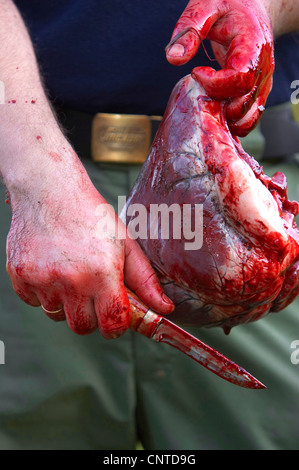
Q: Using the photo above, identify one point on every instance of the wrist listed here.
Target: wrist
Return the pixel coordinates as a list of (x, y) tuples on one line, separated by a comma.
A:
[(284, 16), (36, 160)]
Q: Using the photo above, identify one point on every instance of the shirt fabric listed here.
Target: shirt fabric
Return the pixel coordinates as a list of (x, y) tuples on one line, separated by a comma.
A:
[(108, 56)]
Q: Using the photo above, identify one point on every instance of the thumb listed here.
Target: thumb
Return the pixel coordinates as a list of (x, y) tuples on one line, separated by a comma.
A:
[(141, 278), (193, 26)]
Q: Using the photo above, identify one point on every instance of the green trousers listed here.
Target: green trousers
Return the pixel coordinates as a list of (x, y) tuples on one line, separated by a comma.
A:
[(63, 391)]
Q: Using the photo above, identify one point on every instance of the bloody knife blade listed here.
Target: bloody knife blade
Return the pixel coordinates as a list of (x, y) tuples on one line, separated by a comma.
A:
[(154, 326)]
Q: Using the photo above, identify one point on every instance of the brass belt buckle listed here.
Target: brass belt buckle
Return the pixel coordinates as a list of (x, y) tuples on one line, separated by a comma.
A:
[(123, 138)]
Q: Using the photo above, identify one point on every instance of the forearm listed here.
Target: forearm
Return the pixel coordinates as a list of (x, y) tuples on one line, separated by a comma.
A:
[(284, 15), (31, 142)]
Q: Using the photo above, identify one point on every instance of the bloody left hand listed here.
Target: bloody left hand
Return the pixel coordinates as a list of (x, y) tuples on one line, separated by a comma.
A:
[(241, 37)]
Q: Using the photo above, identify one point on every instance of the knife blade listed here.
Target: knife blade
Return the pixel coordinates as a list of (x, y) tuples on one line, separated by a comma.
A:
[(160, 329)]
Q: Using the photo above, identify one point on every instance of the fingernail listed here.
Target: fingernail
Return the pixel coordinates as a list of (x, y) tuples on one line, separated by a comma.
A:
[(166, 300), (113, 335), (177, 50)]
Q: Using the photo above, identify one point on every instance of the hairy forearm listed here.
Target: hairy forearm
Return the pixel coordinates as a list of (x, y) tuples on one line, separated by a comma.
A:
[(284, 15), (31, 140)]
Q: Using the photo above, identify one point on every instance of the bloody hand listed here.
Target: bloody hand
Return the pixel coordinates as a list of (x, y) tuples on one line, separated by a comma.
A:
[(241, 37), (65, 252)]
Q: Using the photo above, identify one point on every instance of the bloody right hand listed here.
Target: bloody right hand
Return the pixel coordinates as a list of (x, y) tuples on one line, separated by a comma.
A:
[(241, 37)]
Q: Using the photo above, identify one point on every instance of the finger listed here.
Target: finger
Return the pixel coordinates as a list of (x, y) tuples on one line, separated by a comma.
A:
[(192, 27), (80, 314), (220, 53), (249, 121), (56, 313), (113, 310), (242, 40), (52, 306), (141, 278), (245, 63), (239, 107), (183, 47), (225, 83), (245, 125)]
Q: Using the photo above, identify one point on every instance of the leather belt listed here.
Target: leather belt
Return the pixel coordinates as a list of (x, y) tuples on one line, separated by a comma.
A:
[(113, 138), (280, 127)]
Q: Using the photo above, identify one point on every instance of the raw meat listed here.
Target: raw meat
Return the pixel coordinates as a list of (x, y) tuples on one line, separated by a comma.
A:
[(248, 262)]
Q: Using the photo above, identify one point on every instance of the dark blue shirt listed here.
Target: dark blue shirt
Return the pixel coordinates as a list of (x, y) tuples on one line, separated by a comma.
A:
[(108, 56)]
